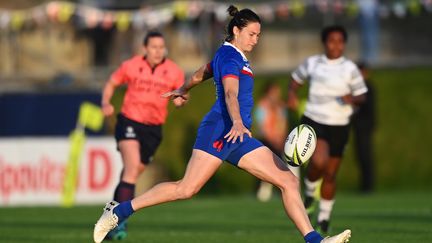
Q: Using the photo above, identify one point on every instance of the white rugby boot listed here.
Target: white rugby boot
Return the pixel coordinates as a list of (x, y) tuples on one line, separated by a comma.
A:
[(340, 238), (106, 222)]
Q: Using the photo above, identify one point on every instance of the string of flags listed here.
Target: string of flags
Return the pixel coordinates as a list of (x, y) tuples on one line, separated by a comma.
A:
[(153, 16)]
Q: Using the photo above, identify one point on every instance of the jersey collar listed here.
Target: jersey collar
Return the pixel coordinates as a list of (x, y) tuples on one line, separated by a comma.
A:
[(144, 58), (226, 43), (332, 61)]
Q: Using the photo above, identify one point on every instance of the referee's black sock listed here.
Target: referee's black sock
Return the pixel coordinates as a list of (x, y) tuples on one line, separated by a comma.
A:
[(124, 191)]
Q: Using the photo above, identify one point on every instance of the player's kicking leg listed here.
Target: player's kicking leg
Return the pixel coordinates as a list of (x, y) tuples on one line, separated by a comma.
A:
[(200, 168)]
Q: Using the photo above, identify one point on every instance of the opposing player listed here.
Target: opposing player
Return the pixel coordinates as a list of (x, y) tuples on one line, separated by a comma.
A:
[(224, 135), (335, 85), (138, 130)]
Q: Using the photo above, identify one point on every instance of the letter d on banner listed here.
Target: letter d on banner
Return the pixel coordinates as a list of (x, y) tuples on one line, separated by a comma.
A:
[(90, 116)]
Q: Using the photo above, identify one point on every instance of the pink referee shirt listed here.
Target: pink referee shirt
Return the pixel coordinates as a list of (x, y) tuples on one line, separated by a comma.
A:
[(143, 102)]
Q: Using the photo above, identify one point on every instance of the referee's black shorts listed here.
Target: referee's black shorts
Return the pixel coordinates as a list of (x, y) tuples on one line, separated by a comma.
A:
[(336, 136), (148, 136)]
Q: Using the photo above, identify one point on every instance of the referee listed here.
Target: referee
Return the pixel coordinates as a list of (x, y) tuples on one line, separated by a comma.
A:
[(139, 125)]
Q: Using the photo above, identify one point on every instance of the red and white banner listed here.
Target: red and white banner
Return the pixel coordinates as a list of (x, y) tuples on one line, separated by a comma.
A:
[(32, 170)]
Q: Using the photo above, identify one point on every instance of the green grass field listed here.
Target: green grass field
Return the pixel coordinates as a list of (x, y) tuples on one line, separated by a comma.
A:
[(390, 217)]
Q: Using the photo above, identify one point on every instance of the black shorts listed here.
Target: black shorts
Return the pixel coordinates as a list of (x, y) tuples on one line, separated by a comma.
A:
[(148, 136), (336, 136)]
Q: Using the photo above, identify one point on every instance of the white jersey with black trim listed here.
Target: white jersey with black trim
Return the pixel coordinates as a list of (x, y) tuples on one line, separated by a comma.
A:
[(329, 80)]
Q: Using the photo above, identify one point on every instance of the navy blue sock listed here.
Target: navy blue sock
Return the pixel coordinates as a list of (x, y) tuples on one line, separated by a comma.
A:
[(313, 237), (124, 210), (124, 192)]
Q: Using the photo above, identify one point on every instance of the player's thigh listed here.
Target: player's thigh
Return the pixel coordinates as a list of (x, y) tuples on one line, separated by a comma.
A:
[(130, 152), (266, 166), (200, 168), (321, 154)]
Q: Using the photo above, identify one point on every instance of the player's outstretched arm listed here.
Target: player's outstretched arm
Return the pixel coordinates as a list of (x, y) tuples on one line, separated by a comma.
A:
[(199, 76)]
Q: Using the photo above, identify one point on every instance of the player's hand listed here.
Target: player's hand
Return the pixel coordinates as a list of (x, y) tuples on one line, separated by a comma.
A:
[(178, 93), (179, 102), (107, 109), (347, 99), (237, 131)]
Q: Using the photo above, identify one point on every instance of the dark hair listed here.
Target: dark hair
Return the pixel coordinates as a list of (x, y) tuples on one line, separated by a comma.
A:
[(151, 34), (333, 28), (240, 19)]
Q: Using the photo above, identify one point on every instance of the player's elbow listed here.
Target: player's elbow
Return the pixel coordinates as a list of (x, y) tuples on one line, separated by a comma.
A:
[(196, 77)]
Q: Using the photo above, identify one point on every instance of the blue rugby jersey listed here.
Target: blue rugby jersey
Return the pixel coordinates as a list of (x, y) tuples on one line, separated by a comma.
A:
[(231, 62)]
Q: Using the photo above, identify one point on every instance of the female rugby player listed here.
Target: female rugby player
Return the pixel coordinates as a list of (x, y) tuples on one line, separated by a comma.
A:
[(335, 86)]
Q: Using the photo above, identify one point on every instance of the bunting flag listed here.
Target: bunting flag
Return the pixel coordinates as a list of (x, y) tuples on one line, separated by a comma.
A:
[(162, 14), (123, 20), (17, 20), (352, 9), (298, 8), (65, 12)]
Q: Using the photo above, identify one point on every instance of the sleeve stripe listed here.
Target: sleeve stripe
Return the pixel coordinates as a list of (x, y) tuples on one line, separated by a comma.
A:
[(297, 78), (209, 68), (230, 76), (359, 91), (300, 75)]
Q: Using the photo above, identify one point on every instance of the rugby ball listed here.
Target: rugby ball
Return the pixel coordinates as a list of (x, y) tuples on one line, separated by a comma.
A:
[(300, 145)]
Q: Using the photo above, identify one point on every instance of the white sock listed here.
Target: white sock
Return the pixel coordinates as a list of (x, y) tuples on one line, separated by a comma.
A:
[(295, 170), (310, 187), (265, 191), (326, 207)]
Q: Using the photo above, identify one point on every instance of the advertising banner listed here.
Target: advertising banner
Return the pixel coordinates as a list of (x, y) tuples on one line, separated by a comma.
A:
[(32, 170)]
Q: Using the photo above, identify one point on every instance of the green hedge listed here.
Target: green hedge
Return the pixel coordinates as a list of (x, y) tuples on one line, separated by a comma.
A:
[(403, 146), (402, 141)]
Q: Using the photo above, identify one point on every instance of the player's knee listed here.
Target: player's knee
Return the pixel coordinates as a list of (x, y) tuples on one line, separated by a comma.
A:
[(319, 161), (141, 170), (289, 183), (329, 176), (186, 191)]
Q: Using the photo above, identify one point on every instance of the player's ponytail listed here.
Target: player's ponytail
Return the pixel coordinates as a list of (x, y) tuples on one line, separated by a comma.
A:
[(240, 19), (232, 10)]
